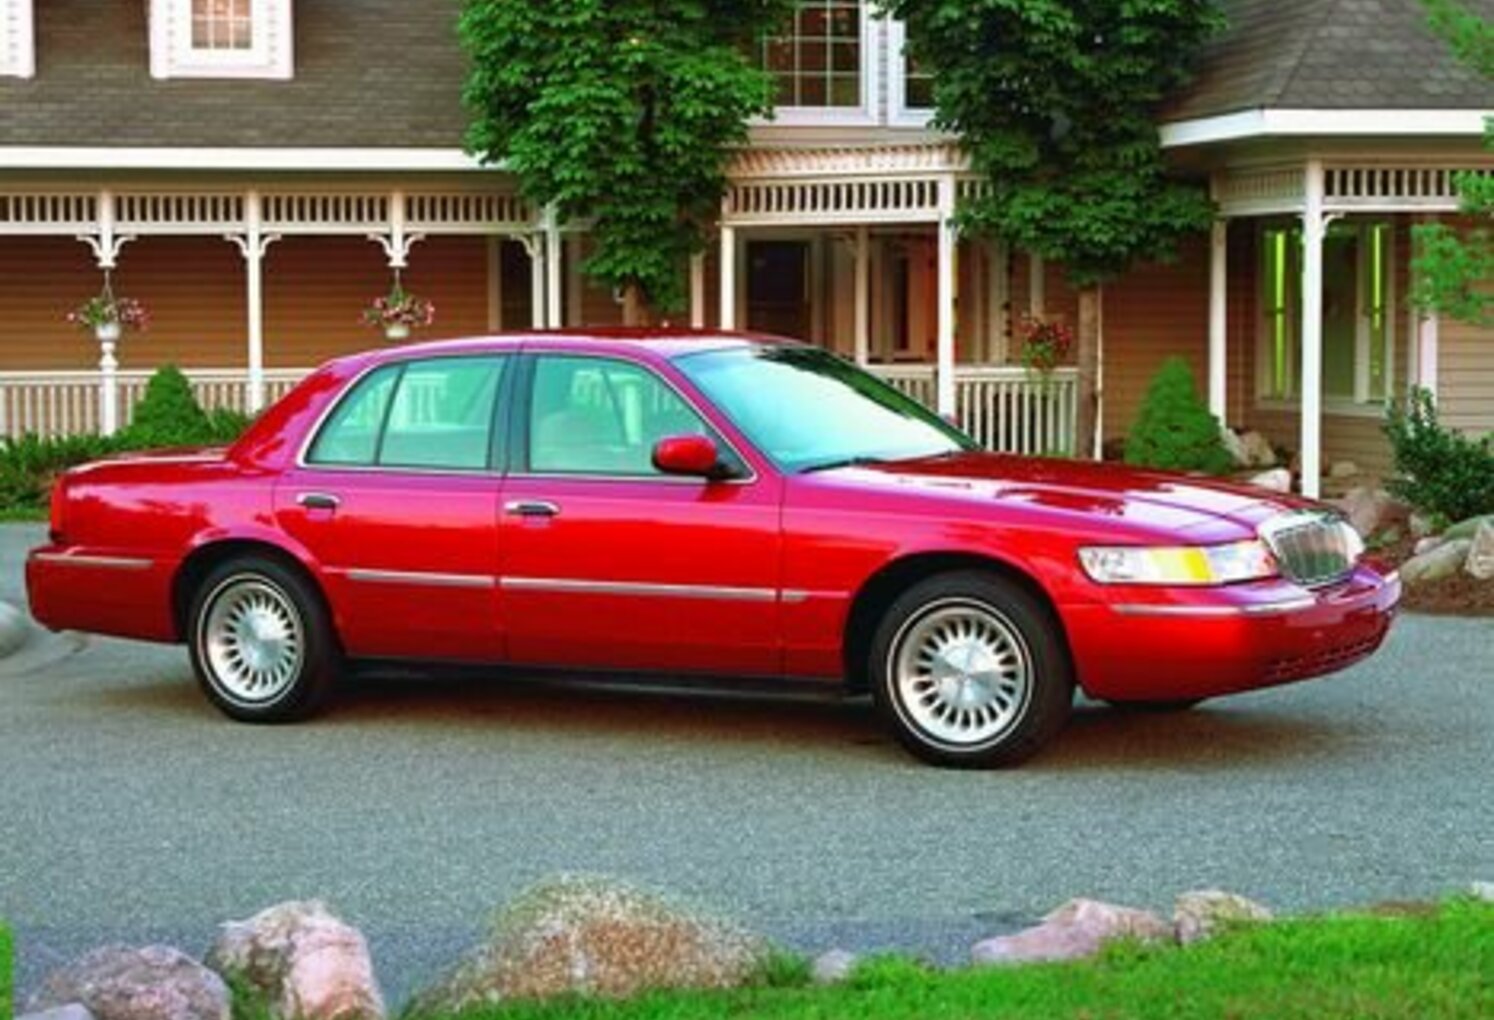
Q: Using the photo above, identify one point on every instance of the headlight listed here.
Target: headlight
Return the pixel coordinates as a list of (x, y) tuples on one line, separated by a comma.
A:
[(1180, 565)]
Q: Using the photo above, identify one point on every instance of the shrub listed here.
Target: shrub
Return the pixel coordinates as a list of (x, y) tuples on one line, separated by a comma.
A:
[(1439, 471), (1175, 430), (168, 414)]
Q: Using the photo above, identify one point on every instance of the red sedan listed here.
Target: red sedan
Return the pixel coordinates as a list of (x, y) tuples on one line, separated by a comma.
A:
[(665, 504)]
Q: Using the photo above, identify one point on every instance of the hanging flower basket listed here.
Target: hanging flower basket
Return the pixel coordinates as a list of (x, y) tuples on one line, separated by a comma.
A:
[(1045, 346), (108, 317), (399, 312)]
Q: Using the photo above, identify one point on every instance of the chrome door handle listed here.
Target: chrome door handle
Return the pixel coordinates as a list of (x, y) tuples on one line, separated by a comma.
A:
[(318, 500), (532, 508)]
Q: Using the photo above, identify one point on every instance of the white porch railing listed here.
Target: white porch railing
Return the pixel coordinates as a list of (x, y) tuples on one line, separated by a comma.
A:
[(67, 403), (1006, 409)]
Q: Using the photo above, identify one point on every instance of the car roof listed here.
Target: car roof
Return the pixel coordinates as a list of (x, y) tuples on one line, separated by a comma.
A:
[(663, 341)]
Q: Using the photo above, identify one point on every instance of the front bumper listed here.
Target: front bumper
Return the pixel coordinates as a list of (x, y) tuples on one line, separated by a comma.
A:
[(1167, 645)]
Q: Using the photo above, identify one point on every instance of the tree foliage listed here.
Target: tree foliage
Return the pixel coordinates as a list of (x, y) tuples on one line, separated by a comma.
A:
[(1453, 268), (1056, 102), (621, 114), (1175, 430)]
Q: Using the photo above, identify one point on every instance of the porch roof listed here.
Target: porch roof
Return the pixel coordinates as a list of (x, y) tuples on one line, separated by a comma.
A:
[(1330, 55)]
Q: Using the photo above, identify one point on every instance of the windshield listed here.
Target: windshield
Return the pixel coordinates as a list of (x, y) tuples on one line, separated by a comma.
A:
[(807, 409)]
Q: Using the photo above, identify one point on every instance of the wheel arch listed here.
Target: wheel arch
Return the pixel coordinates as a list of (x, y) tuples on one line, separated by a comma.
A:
[(879, 591), (208, 555)]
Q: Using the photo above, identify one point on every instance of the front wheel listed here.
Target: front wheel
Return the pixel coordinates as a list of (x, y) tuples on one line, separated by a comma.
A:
[(971, 671), (261, 642)]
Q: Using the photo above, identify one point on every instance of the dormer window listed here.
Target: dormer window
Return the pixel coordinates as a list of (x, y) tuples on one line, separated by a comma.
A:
[(17, 46), (221, 39), (824, 66)]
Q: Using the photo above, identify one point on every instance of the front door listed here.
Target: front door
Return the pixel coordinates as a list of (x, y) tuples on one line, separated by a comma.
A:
[(608, 563), (397, 498), (778, 291)]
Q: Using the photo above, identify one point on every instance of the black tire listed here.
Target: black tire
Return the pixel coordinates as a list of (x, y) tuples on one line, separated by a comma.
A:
[(302, 686), (1155, 707), (1018, 727)]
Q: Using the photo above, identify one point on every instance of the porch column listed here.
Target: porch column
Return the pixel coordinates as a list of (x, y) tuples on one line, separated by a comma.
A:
[(554, 264), (105, 246), (1426, 338), (1218, 320), (253, 246), (998, 301), (534, 247), (728, 277), (697, 291), (944, 372), (863, 296), (1314, 227)]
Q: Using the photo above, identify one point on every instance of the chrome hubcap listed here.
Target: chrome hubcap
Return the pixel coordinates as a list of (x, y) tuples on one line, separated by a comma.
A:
[(252, 640), (962, 673)]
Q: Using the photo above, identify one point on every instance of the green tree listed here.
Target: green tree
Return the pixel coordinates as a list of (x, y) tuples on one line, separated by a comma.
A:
[(1175, 430), (1452, 268), (1056, 104), (621, 114)]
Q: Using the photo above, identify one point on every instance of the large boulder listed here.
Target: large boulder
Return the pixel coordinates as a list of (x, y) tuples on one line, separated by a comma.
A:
[(72, 1011), (1480, 562), (1276, 479), (833, 967), (1468, 528), (121, 983), (306, 963), (1371, 510), (1075, 930), (593, 936), (1257, 451), (1202, 914), (1436, 564)]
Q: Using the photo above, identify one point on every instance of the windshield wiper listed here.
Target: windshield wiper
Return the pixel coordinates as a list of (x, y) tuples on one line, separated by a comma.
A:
[(843, 462)]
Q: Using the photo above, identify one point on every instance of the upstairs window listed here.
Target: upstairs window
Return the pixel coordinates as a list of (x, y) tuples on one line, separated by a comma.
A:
[(823, 65), (910, 92), (17, 48), (221, 38)]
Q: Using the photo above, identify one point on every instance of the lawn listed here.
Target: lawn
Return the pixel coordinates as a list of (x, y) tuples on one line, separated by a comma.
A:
[(1437, 963), (7, 1006)]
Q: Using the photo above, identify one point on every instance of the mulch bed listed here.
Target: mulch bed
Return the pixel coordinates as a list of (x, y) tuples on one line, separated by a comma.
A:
[(1459, 595)]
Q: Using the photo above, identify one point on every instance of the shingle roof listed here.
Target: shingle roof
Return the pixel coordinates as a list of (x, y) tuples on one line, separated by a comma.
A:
[(1331, 54), (369, 73)]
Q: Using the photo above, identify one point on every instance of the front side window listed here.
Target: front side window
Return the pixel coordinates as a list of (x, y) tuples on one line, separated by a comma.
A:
[(807, 409), (818, 63), (222, 25), (600, 416), (425, 415)]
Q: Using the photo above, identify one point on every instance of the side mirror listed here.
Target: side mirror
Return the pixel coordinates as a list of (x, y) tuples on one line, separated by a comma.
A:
[(692, 456)]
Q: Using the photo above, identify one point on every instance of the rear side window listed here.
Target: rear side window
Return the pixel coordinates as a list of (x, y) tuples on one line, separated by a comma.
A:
[(435, 414)]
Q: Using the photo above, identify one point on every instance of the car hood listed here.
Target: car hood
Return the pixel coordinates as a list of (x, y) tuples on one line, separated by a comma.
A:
[(1150, 500)]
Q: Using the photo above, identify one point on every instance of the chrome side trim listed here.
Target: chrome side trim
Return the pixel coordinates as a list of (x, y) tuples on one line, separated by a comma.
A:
[(418, 578), (719, 593), (106, 562), (1260, 609)]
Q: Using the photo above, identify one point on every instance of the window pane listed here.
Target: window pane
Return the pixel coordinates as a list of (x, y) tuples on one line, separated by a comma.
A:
[(351, 435), (602, 417), (222, 24), (442, 415), (1382, 336), (819, 64)]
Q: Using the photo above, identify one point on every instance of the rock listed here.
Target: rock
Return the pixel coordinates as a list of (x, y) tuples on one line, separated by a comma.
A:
[(1468, 528), (1236, 448), (833, 967), (121, 983), (1423, 525), (1482, 891), (1200, 915), (594, 936), (1277, 479), (305, 962), (1480, 562), (72, 1011), (1427, 544), (1436, 565), (1371, 509), (1343, 469), (1258, 451), (1075, 930)]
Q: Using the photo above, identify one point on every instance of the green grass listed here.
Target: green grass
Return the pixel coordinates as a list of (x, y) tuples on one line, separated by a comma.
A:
[(7, 972), (27, 514), (1432, 965)]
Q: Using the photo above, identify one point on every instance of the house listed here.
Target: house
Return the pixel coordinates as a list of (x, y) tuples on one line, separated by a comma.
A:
[(256, 171)]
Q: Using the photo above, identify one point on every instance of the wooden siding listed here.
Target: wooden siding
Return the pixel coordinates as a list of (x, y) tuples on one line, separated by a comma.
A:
[(1465, 376), (41, 280)]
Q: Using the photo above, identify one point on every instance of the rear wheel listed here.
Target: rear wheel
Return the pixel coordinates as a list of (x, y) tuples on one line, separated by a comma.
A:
[(970, 670), (261, 642)]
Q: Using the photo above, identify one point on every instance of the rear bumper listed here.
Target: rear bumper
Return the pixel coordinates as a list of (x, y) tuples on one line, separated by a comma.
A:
[(101, 591), (1228, 640)]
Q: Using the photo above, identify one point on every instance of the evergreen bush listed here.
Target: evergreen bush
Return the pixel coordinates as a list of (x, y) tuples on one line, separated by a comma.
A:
[(1439, 471), (1175, 430)]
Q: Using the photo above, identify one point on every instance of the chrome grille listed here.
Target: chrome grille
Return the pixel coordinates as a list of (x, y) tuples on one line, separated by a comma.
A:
[(1313, 549)]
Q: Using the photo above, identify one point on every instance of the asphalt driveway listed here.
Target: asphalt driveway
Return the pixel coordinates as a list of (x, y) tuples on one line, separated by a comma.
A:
[(132, 811)]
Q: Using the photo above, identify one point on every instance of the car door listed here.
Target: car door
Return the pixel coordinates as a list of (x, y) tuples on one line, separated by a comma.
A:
[(608, 563), (397, 497)]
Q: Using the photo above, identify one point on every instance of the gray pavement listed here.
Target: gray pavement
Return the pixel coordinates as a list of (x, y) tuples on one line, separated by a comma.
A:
[(132, 811)]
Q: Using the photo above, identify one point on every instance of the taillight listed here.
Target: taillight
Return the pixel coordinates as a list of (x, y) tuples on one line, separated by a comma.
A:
[(59, 506)]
